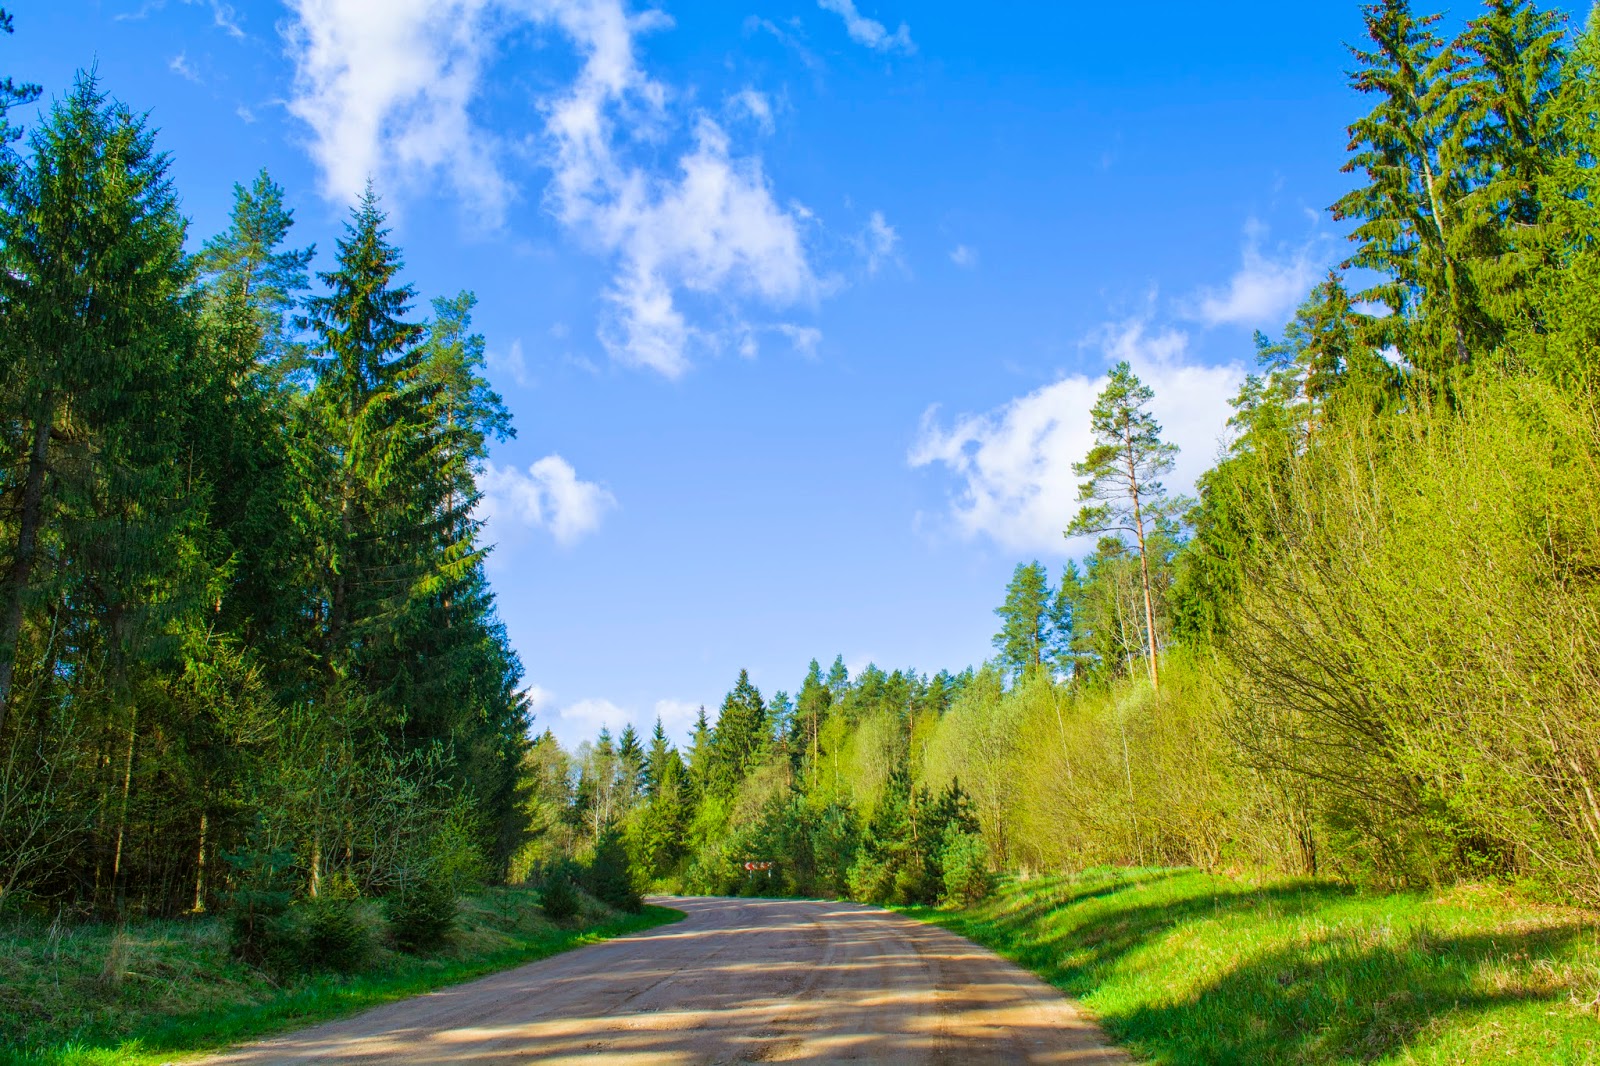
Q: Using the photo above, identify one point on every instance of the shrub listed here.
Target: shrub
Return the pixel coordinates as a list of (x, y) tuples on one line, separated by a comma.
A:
[(334, 932), (559, 896), (422, 915), (966, 868)]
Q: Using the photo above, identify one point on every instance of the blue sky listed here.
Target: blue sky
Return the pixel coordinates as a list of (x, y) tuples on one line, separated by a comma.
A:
[(799, 307)]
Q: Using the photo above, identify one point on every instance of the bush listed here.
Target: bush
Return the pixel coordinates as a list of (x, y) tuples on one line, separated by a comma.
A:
[(260, 929), (334, 933), (966, 869), (422, 915), (559, 896), (871, 878)]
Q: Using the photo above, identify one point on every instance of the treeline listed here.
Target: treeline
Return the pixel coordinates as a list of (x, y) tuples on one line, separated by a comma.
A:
[(247, 650), (1368, 649)]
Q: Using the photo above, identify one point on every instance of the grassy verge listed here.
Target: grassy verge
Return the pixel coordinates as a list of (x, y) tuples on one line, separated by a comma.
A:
[(161, 990), (1185, 967)]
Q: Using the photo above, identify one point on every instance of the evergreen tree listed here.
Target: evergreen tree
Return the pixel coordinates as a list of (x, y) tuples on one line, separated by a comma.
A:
[(741, 736), (816, 697), (1025, 625), (1122, 485)]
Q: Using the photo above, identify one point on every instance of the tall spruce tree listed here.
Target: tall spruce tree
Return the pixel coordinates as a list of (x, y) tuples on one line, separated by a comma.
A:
[(1025, 620)]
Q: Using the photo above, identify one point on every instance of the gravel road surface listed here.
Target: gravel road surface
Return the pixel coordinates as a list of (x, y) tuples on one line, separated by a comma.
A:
[(739, 980)]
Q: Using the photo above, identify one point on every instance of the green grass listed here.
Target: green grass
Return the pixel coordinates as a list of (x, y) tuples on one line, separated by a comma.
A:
[(1185, 967), (159, 991)]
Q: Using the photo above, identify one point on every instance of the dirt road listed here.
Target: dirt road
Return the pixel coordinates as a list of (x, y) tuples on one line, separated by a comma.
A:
[(739, 980)]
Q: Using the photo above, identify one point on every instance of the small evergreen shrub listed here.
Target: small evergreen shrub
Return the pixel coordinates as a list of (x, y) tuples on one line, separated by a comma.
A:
[(558, 896), (966, 869), (335, 934), (422, 915)]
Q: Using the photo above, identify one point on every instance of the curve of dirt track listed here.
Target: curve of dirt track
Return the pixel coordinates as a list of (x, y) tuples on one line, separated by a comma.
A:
[(738, 980)]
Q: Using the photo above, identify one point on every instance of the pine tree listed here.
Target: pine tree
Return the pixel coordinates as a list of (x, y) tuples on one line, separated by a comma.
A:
[(1122, 480)]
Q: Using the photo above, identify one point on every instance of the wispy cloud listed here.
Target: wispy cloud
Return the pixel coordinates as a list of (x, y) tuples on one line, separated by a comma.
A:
[(510, 363), (1013, 465), (181, 67), (548, 495), (1265, 288), (879, 243), (870, 32), (964, 256), (754, 105)]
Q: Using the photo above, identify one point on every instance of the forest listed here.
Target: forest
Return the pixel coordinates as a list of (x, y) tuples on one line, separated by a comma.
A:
[(1366, 651), (248, 652)]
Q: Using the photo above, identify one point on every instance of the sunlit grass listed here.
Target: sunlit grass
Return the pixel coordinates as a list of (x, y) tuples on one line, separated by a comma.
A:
[(160, 991), (1186, 967)]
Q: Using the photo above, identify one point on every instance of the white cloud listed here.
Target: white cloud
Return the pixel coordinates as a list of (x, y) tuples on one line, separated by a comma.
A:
[(869, 32), (677, 719), (181, 67), (712, 228), (1265, 290), (879, 242), (584, 719), (223, 17), (581, 720), (963, 256), (547, 496), (385, 87), (1014, 464), (753, 104), (512, 363)]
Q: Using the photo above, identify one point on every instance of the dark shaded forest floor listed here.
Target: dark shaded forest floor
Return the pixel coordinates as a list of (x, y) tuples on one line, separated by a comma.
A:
[(154, 991), (1185, 967)]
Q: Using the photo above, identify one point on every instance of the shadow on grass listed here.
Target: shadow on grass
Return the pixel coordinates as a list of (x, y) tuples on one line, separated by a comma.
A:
[(1343, 990), (1353, 1004), (322, 999)]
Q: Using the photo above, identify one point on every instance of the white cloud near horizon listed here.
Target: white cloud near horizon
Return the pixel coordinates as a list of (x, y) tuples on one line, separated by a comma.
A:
[(1265, 290), (1013, 465), (870, 32), (548, 495), (580, 720)]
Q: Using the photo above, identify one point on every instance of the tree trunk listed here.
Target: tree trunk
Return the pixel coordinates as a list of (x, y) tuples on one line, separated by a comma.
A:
[(16, 584), (1144, 567), (122, 815), (200, 870)]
